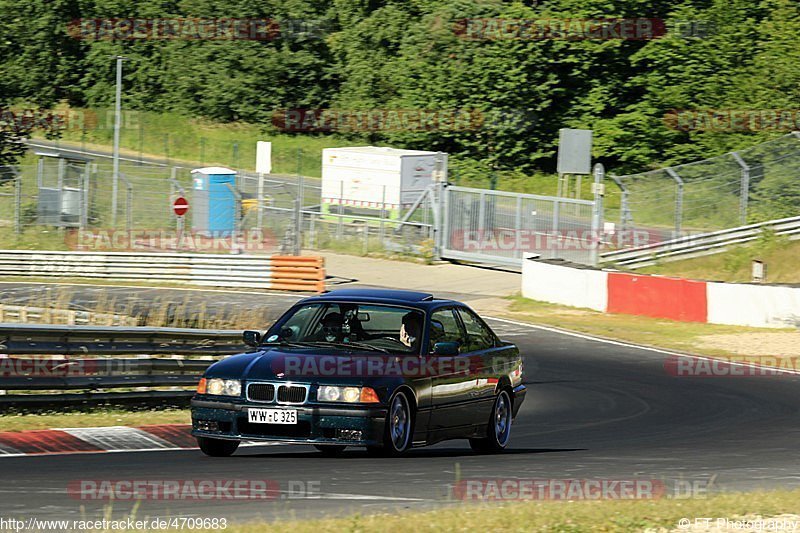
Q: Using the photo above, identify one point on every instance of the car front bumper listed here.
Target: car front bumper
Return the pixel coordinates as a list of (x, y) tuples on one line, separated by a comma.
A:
[(316, 424)]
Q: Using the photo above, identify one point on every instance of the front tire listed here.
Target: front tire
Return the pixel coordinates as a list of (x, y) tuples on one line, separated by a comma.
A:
[(398, 428), (498, 430), (217, 447)]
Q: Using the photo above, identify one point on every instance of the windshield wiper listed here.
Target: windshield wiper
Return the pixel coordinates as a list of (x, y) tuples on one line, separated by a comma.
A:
[(352, 344)]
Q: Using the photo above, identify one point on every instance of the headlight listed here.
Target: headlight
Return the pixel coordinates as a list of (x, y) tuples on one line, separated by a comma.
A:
[(224, 387), (329, 393)]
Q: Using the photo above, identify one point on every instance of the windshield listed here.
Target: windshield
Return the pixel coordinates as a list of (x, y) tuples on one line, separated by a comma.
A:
[(360, 326)]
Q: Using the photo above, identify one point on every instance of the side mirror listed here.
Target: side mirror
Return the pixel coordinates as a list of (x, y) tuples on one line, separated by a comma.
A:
[(445, 348), (251, 338)]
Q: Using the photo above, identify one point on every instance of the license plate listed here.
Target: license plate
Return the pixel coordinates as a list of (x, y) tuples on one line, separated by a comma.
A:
[(272, 416)]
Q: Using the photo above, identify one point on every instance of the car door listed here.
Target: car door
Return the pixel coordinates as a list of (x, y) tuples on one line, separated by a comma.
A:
[(452, 382), (489, 359)]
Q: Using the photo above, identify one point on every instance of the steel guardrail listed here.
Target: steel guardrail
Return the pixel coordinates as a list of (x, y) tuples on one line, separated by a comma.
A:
[(294, 273), (87, 363), (699, 245)]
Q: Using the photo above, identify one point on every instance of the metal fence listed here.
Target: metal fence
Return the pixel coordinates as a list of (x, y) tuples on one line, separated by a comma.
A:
[(712, 194), (287, 211), (291, 214), (502, 227)]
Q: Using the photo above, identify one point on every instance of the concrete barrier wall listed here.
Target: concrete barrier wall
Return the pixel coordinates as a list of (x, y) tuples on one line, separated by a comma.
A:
[(684, 300), (564, 285), (658, 297), (759, 306)]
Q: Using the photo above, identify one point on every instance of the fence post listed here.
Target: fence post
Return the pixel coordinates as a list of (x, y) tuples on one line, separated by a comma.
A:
[(678, 202), (598, 188), (341, 209), (744, 188), (383, 215), (85, 199), (128, 203), (556, 217), (17, 201), (260, 196), (518, 228), (237, 206)]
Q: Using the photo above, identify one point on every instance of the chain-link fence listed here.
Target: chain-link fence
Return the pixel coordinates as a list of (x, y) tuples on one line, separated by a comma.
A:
[(69, 198), (717, 193), (504, 227)]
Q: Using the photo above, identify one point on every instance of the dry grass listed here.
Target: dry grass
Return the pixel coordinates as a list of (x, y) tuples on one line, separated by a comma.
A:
[(550, 516), (161, 311), (99, 418), (687, 337), (781, 256)]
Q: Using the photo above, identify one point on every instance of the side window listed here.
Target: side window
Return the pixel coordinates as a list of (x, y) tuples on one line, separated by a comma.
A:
[(479, 337), (445, 328)]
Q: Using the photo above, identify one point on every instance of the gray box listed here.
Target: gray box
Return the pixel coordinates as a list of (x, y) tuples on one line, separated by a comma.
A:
[(574, 151)]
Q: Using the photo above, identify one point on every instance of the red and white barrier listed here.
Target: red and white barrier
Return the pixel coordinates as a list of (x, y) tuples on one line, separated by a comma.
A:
[(661, 297), (554, 283)]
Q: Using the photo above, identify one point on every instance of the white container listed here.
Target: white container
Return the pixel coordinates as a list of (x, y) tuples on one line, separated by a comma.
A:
[(367, 176)]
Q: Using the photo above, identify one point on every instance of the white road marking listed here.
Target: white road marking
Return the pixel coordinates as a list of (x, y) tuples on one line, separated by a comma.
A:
[(640, 347)]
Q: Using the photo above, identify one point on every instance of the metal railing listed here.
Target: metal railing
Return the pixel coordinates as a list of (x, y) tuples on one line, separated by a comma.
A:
[(88, 377), (699, 245), (197, 269)]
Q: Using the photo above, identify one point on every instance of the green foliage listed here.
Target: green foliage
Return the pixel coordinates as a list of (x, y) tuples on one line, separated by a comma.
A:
[(407, 54)]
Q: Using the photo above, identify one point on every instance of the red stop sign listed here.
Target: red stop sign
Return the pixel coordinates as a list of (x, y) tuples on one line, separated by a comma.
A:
[(180, 206)]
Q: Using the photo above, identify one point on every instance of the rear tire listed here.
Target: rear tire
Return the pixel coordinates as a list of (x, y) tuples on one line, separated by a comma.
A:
[(330, 451), (498, 430), (398, 428), (217, 447)]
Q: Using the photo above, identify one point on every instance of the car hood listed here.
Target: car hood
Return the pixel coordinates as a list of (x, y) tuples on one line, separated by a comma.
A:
[(303, 365)]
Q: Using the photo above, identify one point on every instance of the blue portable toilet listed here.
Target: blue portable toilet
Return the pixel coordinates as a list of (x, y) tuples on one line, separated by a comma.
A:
[(213, 202)]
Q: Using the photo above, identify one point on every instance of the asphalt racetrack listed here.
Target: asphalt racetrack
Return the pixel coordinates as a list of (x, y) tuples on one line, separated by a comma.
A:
[(594, 410)]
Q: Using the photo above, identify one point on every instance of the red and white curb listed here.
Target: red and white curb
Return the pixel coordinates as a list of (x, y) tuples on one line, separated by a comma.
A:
[(100, 440)]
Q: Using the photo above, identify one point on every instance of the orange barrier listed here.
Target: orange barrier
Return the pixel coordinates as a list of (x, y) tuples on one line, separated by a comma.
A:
[(301, 273)]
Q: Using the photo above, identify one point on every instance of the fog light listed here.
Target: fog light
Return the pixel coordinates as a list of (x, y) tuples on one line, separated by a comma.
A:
[(348, 434), (206, 425)]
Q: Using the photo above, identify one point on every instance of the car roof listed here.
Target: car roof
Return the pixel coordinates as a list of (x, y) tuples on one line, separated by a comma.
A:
[(412, 298)]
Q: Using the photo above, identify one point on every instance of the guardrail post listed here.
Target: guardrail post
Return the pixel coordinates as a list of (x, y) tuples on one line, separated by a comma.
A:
[(678, 201), (744, 187)]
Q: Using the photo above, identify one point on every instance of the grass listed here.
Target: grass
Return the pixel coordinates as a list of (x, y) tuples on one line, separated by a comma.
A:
[(572, 516), (93, 418), (661, 333), (780, 255), (179, 138)]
